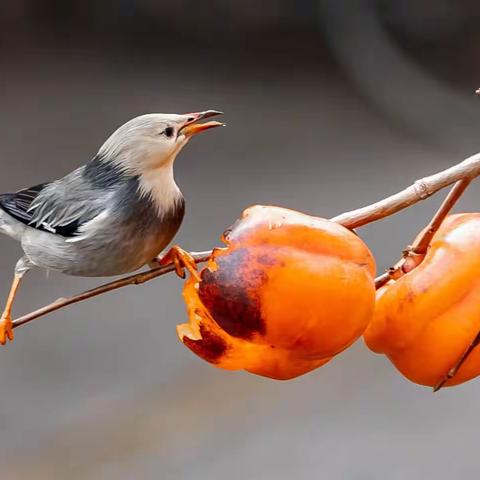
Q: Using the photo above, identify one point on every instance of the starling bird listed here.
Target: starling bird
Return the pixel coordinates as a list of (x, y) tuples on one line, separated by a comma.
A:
[(109, 217)]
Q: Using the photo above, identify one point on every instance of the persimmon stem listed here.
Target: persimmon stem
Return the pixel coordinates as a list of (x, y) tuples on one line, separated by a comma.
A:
[(414, 254), (418, 191)]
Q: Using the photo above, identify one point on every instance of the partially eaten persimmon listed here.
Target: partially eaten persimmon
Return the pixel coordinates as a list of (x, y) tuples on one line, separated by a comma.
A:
[(287, 293), (427, 319)]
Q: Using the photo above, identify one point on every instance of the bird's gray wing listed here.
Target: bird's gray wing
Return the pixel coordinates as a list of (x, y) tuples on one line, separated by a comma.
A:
[(17, 204), (62, 207)]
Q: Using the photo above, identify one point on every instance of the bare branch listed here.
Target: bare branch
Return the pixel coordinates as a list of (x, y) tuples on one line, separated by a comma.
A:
[(136, 279), (419, 190)]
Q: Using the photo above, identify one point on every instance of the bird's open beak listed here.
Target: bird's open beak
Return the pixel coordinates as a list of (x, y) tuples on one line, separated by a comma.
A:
[(191, 126)]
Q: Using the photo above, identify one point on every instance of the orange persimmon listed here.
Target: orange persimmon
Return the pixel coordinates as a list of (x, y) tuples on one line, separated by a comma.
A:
[(287, 293), (426, 320)]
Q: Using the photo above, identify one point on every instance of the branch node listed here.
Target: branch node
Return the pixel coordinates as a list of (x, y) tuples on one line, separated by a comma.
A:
[(422, 189)]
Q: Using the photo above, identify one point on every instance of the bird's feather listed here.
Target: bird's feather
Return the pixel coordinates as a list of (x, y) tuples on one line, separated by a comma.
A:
[(61, 207), (17, 204)]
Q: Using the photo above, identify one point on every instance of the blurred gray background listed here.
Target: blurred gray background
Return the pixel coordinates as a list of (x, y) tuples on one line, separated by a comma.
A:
[(330, 105)]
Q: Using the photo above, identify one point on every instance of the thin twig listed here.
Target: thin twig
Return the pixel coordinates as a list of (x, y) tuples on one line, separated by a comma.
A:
[(454, 370), (420, 190), (382, 280), (414, 254), (420, 247), (136, 279)]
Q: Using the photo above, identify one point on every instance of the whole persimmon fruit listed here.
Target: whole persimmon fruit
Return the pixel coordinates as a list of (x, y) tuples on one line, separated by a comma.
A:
[(427, 319), (287, 293)]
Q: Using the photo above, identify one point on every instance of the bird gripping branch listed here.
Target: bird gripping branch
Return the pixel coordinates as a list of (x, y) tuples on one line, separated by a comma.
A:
[(109, 217)]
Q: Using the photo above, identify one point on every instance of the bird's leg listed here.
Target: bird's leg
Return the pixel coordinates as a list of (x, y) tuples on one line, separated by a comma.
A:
[(6, 330), (181, 259), (6, 318)]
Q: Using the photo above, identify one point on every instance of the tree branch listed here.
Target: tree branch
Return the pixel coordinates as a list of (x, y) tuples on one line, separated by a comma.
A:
[(136, 279), (419, 190)]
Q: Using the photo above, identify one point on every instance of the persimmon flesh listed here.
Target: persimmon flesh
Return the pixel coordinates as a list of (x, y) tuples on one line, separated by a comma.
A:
[(427, 319), (288, 293)]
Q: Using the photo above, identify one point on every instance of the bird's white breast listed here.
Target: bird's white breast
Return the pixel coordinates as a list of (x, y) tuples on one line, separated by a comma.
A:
[(159, 184)]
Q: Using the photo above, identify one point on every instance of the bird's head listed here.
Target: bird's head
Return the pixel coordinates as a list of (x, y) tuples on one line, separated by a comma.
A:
[(153, 141)]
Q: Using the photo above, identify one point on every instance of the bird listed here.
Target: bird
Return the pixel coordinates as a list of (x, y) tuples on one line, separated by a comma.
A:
[(111, 216)]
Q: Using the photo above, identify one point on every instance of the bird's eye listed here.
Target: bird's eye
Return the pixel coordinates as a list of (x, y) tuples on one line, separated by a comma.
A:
[(168, 132)]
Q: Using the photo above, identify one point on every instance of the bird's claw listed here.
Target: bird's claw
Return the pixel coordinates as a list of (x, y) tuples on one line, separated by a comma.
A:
[(6, 329), (181, 259)]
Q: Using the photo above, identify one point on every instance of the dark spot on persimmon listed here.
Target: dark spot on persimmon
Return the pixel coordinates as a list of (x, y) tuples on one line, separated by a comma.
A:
[(267, 260), (230, 293), (211, 347)]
